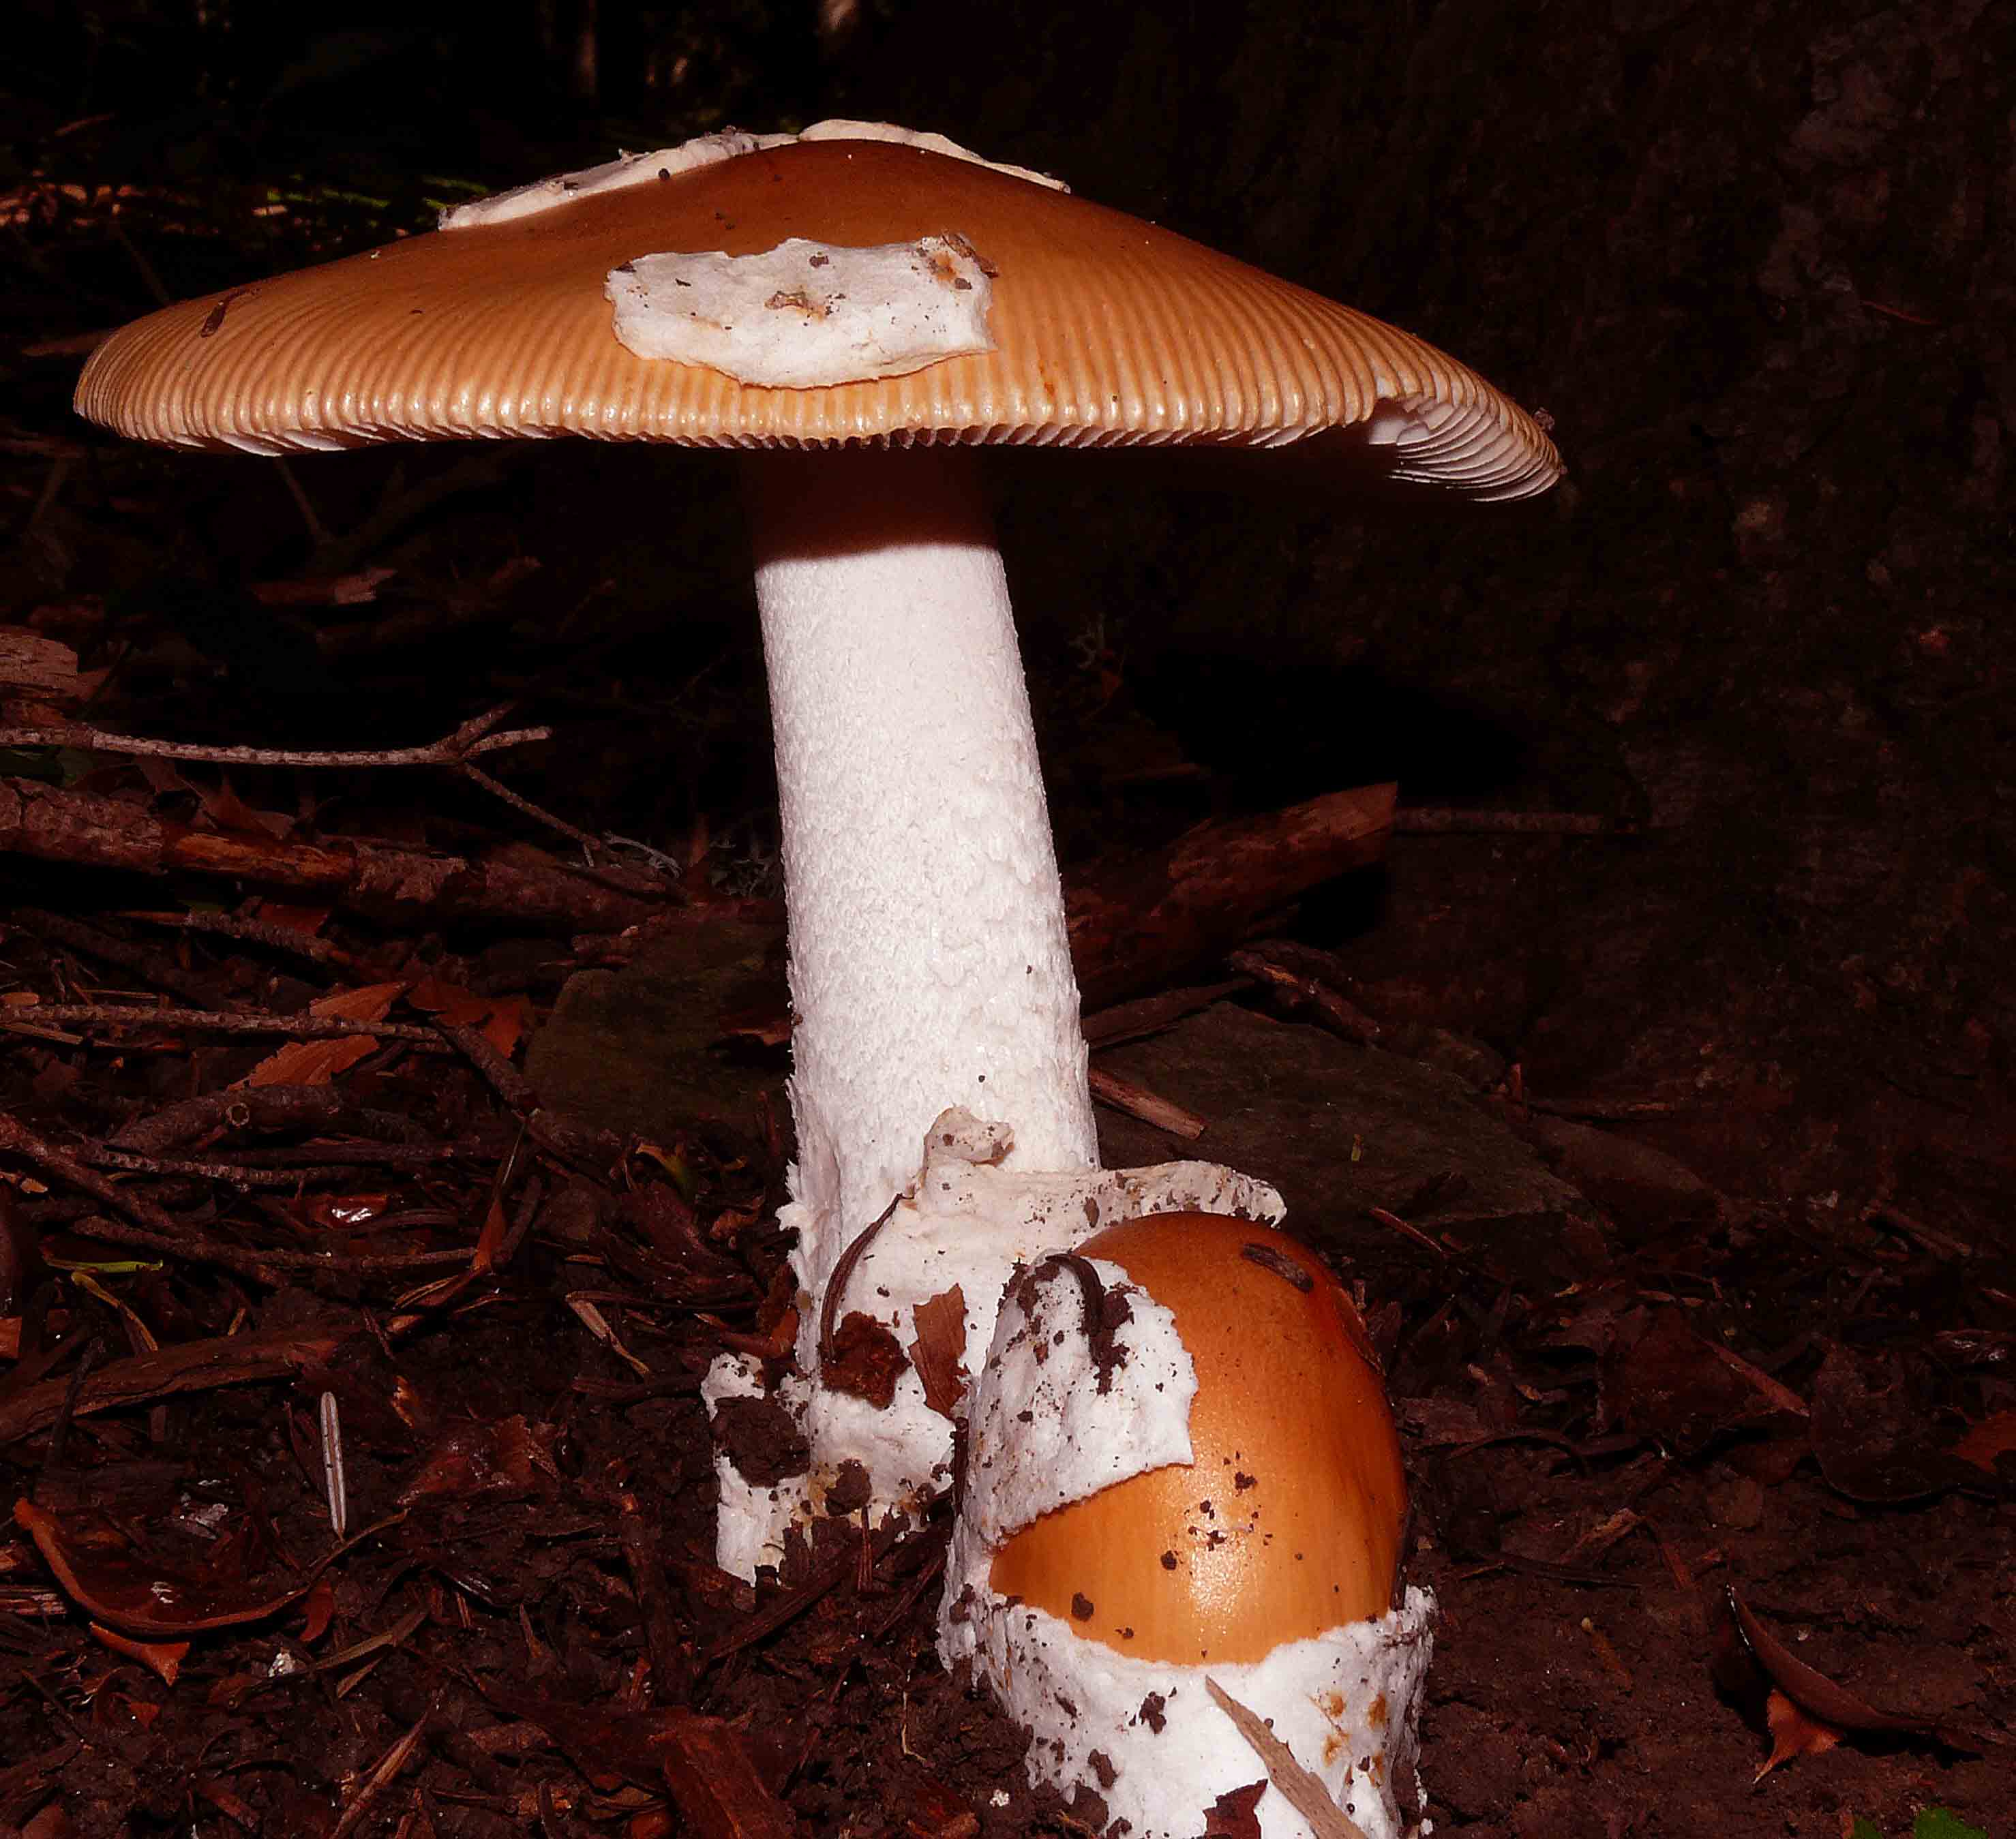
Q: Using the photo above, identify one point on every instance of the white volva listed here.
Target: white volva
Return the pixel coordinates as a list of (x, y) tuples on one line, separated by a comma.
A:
[(965, 1220), (1042, 1432)]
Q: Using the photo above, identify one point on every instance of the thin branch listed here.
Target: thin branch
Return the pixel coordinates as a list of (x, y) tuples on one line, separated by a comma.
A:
[(538, 813), (377, 880), (1150, 1107), (258, 1264), (452, 750), (17, 1138), (498, 1074), (255, 932), (1302, 1789), (836, 1285), (287, 1169), (302, 1027), (188, 1366)]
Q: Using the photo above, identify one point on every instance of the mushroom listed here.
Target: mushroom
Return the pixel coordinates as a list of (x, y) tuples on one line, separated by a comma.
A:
[(1182, 1469), (855, 307)]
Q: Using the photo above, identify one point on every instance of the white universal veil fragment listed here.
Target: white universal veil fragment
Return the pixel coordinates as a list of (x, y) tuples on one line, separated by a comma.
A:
[(930, 966)]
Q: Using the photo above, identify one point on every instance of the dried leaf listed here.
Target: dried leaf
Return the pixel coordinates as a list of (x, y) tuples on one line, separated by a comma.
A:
[(705, 1761), (1821, 1698), (599, 1326), (229, 812), (1672, 1386), (316, 1063), (1232, 1815), (341, 1213), (1793, 1733), (1994, 1436), (697, 1271), (318, 1611), (939, 1351), (500, 1019), (499, 1461), (867, 1360), (312, 1063), (295, 918), (369, 1004), (228, 1801), (99, 1569), (767, 1026), (357, 588), (163, 1658)]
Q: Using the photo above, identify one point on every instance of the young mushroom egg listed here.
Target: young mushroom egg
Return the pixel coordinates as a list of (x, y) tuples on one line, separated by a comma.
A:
[(1286, 1520), (1098, 1579)]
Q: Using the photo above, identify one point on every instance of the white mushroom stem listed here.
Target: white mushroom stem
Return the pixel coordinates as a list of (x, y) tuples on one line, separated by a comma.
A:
[(929, 965)]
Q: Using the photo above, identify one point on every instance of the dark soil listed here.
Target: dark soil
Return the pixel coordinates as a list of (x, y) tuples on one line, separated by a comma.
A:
[(1676, 1158)]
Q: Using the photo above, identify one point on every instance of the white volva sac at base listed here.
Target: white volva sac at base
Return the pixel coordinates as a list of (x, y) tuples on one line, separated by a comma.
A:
[(1345, 1703), (1047, 1427), (966, 1220)]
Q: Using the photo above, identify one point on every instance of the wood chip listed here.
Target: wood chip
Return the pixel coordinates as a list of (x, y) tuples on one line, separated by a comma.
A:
[(1296, 1785)]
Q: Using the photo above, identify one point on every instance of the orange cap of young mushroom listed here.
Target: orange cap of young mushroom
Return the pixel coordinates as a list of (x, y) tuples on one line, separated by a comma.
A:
[(1287, 1520)]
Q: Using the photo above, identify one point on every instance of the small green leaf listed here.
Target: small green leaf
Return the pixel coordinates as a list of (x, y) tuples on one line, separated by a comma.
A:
[(1942, 1822), (1864, 1829), (112, 1265)]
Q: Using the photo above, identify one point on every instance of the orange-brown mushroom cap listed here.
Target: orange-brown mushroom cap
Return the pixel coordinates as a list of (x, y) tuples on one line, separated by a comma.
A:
[(1287, 1520), (1106, 330)]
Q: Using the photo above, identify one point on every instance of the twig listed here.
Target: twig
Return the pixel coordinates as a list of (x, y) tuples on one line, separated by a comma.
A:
[(318, 533), (1600, 1110), (73, 1391), (1136, 922), (16, 1138), (380, 881), (671, 1672), (304, 1027), (503, 1078), (1293, 991), (538, 813), (384, 1770), (1413, 1232), (254, 932), (1150, 1015), (271, 1268), (265, 1107), (452, 750), (149, 960), (1301, 1789), (1936, 1240), (1150, 1107), (285, 1170), (836, 1285), (188, 1366), (148, 277)]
